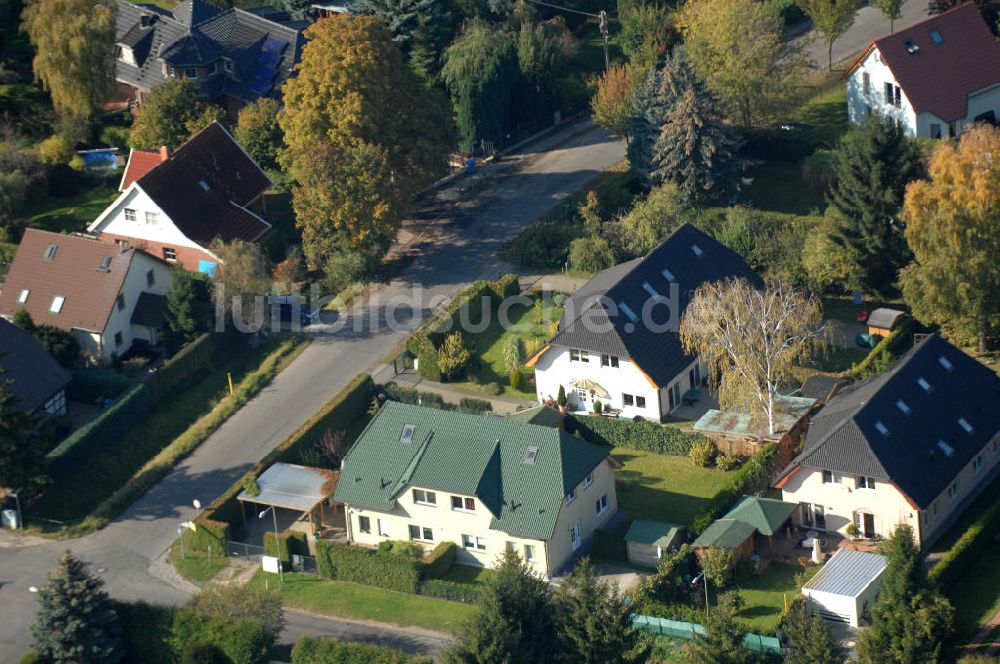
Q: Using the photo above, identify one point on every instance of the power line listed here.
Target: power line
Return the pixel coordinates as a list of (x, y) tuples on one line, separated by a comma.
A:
[(603, 24)]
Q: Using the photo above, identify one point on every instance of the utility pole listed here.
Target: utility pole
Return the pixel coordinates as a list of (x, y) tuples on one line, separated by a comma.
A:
[(602, 18)]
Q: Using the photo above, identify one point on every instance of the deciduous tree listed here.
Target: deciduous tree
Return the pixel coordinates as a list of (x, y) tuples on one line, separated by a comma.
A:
[(74, 51), (170, 114), (258, 131), (953, 228), (75, 622), (187, 310), (892, 9), (234, 602), (750, 338), (717, 564), (874, 164), (611, 105), (241, 285), (737, 46), (831, 19)]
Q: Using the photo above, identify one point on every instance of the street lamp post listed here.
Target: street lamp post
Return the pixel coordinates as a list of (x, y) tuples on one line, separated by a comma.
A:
[(277, 542), (17, 502), (180, 533)]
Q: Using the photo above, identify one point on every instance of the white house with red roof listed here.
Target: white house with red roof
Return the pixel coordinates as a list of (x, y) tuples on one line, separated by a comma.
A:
[(174, 205), (933, 78)]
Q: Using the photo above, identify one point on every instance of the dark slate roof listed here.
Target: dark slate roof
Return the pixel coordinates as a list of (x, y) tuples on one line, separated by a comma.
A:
[(925, 447), (34, 374), (263, 45), (149, 310), (599, 302), (822, 387), (468, 455), (886, 318), (205, 185)]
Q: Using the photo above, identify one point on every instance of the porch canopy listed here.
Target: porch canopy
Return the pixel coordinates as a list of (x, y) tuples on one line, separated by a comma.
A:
[(293, 487)]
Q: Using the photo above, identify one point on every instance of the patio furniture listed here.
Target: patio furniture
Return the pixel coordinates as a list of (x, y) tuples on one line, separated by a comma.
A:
[(691, 396)]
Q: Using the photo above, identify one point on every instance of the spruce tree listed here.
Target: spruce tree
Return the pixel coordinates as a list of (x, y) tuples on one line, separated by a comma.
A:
[(20, 456), (515, 622), (810, 639), (594, 622), (722, 642), (650, 111), (420, 27), (875, 162), (75, 622), (187, 308)]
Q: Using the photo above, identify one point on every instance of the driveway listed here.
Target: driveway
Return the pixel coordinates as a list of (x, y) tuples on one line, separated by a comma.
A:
[(460, 247)]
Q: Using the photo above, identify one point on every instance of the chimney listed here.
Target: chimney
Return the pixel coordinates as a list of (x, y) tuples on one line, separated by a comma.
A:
[(164, 153)]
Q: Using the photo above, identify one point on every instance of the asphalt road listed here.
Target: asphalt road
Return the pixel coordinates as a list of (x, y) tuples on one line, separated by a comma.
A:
[(457, 249)]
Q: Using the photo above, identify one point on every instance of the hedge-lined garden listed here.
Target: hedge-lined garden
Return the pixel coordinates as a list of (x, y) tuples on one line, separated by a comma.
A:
[(646, 436), (754, 476), (370, 567)]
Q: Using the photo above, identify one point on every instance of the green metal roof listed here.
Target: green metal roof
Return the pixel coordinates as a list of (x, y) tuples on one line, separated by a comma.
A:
[(725, 534), (751, 514), (655, 533), (468, 455), (545, 416)]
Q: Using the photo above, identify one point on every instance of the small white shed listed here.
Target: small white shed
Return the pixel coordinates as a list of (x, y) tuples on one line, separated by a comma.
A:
[(847, 587)]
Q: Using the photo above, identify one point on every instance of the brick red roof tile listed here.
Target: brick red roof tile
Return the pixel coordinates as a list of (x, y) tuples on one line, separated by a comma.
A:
[(140, 162)]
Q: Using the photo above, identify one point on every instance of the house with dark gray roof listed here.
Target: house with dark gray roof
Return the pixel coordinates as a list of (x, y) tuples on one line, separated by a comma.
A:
[(36, 379), (617, 341), (488, 484), (913, 445), (236, 56)]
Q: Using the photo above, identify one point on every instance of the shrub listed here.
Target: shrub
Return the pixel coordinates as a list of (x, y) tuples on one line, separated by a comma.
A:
[(970, 546), (242, 641), (146, 632), (116, 137), (312, 650), (590, 254), (412, 396), (474, 406), (645, 436), (754, 476), (819, 170), (203, 653), (346, 562), (402, 548), (453, 590), (728, 461), (493, 388), (440, 560), (702, 453), (515, 379), (896, 343), (56, 150), (250, 486), (718, 565)]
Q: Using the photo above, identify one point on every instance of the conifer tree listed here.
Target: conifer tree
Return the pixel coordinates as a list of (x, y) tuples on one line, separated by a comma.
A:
[(650, 111), (875, 162), (421, 28), (186, 313), (723, 639), (810, 639), (20, 456), (75, 622)]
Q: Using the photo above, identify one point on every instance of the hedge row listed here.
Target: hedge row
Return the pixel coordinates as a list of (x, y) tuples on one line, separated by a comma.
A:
[(93, 383), (312, 650), (451, 590), (347, 562), (645, 436), (894, 344), (193, 359), (754, 476), (439, 561), (340, 411), (410, 395), (290, 543), (467, 307), (971, 545)]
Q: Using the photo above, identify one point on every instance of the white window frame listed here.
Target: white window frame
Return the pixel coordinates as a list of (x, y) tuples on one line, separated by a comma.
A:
[(429, 498), (601, 505), (169, 254), (640, 402), (473, 542), (361, 527), (628, 400), (977, 464), (23, 297), (576, 355), (610, 361), (57, 304), (588, 480), (529, 553), (571, 496), (131, 214), (833, 478), (864, 483), (383, 529), (422, 533), (152, 218), (463, 508)]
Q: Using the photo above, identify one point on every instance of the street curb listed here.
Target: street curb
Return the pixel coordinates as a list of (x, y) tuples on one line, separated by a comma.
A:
[(422, 632)]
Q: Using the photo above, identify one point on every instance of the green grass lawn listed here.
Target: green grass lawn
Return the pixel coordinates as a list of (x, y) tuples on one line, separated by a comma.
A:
[(842, 307), (95, 481), (826, 110), (350, 600), (765, 594), (666, 488), (468, 574), (976, 595), (834, 359), (778, 186), (196, 566), (72, 213)]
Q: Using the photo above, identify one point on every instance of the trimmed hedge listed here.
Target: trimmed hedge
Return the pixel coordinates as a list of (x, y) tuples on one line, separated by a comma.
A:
[(440, 560), (312, 650), (970, 546), (242, 641), (474, 406), (291, 542), (93, 383), (754, 476), (896, 343), (645, 436), (451, 590), (196, 357), (413, 396), (346, 562)]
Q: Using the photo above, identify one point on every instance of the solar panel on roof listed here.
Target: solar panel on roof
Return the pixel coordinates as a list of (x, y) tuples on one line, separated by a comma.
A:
[(275, 46), (268, 59)]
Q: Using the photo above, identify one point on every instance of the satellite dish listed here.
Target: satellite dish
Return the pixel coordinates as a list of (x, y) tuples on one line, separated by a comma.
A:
[(197, 504)]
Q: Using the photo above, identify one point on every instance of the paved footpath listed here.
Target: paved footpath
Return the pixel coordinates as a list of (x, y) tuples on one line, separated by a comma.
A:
[(459, 247)]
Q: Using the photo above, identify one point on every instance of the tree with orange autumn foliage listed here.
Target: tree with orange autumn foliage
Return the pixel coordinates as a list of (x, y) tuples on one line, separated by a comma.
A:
[(611, 105), (953, 228)]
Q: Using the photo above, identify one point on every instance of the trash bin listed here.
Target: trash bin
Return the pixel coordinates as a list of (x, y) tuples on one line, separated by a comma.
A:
[(8, 519), (470, 166)]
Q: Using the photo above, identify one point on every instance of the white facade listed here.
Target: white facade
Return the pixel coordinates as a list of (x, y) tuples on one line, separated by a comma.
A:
[(629, 388), (868, 91), (849, 598), (430, 514)]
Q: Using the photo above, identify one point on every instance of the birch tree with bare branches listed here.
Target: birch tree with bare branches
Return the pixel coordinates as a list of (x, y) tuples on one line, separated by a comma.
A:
[(750, 339)]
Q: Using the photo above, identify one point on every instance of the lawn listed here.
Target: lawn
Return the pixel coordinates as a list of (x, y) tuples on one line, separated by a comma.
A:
[(842, 307), (976, 595), (833, 359), (662, 487), (765, 594), (532, 325), (95, 481), (196, 566), (778, 186), (350, 600), (72, 213)]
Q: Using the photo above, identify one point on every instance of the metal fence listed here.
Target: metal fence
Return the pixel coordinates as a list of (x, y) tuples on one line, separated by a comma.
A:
[(677, 629), (244, 550), (304, 564)]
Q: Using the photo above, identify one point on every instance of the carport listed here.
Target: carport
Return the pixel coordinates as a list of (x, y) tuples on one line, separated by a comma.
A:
[(846, 588), (302, 490)]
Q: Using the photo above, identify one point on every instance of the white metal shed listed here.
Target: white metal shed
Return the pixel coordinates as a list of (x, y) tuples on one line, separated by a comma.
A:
[(846, 588)]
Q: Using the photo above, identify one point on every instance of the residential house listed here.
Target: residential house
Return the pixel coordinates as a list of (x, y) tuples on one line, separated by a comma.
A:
[(36, 379), (485, 483), (913, 445), (208, 188), (933, 78), (105, 295), (618, 342), (236, 56)]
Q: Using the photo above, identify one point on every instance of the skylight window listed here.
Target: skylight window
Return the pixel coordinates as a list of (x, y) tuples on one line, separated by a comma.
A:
[(57, 304), (407, 436), (649, 289), (530, 455), (204, 185), (105, 264), (924, 384), (911, 47), (946, 363), (964, 423), (881, 428), (627, 310), (901, 405), (668, 275), (946, 448), (23, 297), (50, 252), (936, 36), (696, 250)]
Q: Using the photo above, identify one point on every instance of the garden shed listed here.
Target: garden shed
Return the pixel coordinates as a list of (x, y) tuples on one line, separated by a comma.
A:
[(846, 588), (751, 516), (647, 540), (884, 320)]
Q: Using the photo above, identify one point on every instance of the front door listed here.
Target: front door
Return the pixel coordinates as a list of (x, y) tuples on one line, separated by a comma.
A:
[(575, 536), (865, 523)]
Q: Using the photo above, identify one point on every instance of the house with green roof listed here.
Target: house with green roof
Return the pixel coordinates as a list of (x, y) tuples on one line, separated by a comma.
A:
[(485, 483), (752, 516)]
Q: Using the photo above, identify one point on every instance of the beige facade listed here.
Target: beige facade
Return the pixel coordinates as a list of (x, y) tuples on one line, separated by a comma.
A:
[(431, 516), (831, 501)]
